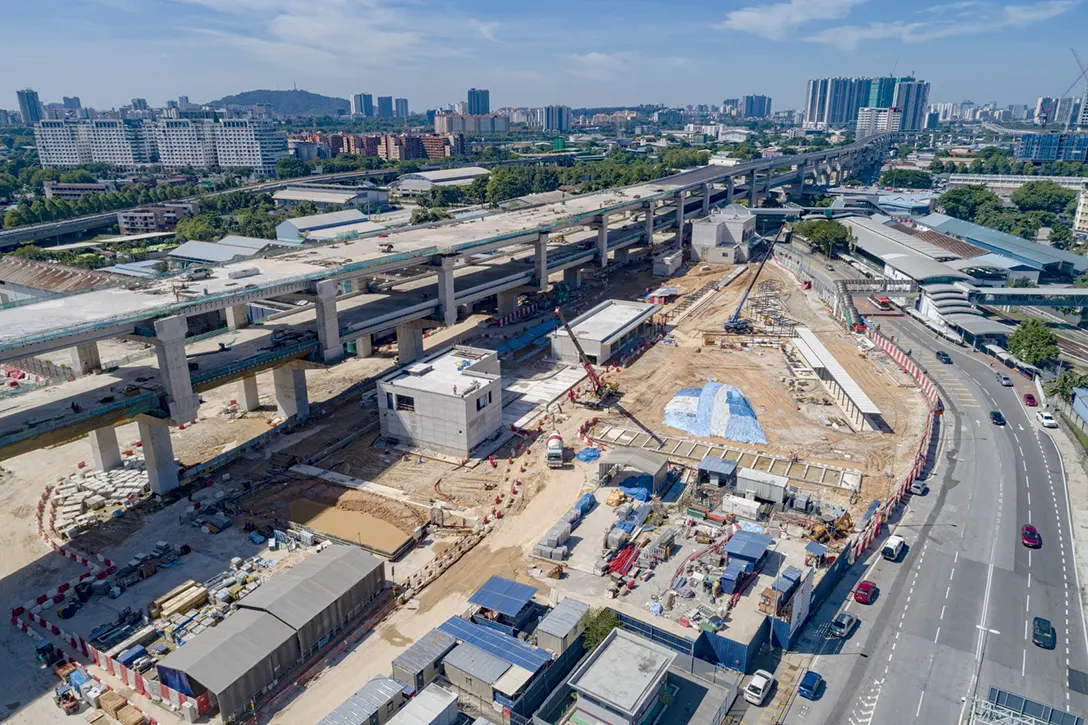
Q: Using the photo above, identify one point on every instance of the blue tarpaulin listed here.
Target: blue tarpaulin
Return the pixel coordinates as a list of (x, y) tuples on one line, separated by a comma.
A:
[(527, 337), (588, 455), (714, 410), (586, 503)]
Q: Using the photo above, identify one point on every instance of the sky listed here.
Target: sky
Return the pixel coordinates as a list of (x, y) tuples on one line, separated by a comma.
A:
[(574, 52)]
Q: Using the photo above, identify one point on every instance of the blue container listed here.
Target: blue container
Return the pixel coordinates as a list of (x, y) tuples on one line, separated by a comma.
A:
[(131, 654)]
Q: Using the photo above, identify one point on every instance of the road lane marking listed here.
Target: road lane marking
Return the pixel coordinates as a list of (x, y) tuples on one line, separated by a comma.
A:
[(1024, 663), (946, 591), (919, 710), (937, 635)]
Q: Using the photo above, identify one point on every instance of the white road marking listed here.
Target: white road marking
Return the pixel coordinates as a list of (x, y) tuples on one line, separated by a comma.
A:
[(919, 710), (942, 613), (1024, 663), (937, 635)]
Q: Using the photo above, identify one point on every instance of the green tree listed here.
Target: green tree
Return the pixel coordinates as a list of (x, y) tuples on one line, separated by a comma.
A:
[(1022, 282), (1034, 342), (202, 226), (1066, 382), (78, 176), (965, 202), (1061, 236), (1043, 195), (8, 186), (599, 623), (290, 167), (907, 179), (426, 216), (824, 234)]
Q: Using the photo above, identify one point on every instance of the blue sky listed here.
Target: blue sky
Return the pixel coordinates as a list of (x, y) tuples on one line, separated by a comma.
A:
[(578, 52)]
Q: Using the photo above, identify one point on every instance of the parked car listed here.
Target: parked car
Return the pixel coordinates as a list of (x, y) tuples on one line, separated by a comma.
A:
[(761, 684), (865, 593), (1004, 379), (996, 418), (1046, 419), (944, 357), (810, 686), (843, 624), (1043, 634), (1029, 400), (1030, 537)]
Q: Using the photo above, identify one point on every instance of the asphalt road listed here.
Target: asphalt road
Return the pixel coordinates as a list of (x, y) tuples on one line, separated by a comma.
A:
[(953, 616)]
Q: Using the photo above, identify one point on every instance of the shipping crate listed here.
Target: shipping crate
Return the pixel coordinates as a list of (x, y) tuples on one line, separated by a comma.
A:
[(128, 715)]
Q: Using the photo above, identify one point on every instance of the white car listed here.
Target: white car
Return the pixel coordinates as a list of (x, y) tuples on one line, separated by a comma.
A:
[(1046, 419), (761, 684)]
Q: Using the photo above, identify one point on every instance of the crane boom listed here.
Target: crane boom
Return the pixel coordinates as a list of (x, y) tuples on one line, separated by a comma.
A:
[(598, 387), (736, 324)]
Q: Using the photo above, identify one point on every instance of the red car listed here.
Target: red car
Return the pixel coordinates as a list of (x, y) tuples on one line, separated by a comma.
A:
[(1030, 537), (865, 593), (1029, 400)]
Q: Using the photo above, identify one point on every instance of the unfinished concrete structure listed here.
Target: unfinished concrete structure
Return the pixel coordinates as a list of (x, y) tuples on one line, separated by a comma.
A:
[(724, 237), (605, 331), (450, 402)]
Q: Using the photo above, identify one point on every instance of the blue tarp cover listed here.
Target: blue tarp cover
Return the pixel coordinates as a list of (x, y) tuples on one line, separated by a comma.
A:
[(503, 596), (714, 410), (588, 455)]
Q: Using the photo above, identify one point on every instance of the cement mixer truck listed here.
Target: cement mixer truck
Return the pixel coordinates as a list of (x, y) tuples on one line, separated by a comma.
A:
[(555, 450)]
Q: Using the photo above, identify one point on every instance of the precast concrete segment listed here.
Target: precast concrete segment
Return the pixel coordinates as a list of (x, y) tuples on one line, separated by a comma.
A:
[(648, 232), (174, 368), (507, 303), (237, 316), (364, 346), (753, 195), (707, 191), (728, 190), (251, 399), (104, 448), (292, 398), (572, 277), (328, 322), (162, 469), (85, 358)]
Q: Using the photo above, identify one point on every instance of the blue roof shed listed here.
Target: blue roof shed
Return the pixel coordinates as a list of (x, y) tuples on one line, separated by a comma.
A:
[(503, 596), (747, 545)]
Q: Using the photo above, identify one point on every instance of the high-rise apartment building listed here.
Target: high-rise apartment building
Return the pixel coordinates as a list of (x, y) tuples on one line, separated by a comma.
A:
[(203, 143), (1080, 221), (1082, 117), (362, 105), (557, 118), (881, 92), (1063, 112), (385, 106), (71, 103), (400, 108), (30, 107), (479, 101), (756, 106), (878, 120), (1043, 147), (912, 98), (468, 123), (140, 104)]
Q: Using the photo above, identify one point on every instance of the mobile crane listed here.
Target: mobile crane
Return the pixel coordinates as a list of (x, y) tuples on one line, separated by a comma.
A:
[(736, 324), (601, 388)]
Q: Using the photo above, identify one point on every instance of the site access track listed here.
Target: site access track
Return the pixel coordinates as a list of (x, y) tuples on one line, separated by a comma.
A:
[(953, 616)]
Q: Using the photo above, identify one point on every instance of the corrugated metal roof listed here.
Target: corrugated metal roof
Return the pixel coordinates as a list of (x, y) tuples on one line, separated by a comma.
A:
[(427, 650), (977, 325), (747, 544), (847, 383), (210, 252), (892, 235), (877, 240), (425, 708), (329, 219), (564, 618), (644, 461), (234, 240), (503, 596), (369, 699), (960, 247), (512, 681), (476, 663), (49, 277), (1003, 243), (511, 649), (464, 172)]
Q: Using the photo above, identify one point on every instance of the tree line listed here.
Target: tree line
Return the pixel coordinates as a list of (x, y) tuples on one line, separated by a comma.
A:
[(1037, 204)]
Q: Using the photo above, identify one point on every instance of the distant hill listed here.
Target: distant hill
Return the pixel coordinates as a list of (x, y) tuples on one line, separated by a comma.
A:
[(288, 103)]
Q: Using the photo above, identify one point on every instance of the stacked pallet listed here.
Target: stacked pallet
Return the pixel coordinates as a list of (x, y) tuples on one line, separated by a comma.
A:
[(76, 498)]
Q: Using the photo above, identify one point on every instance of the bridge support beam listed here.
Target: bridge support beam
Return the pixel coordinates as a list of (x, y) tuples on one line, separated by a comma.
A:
[(85, 358), (622, 256), (251, 398), (708, 189), (364, 346), (540, 260), (292, 398), (237, 316), (328, 322), (162, 469), (410, 341), (446, 291), (602, 242), (728, 190), (174, 368), (104, 448), (506, 301), (572, 277)]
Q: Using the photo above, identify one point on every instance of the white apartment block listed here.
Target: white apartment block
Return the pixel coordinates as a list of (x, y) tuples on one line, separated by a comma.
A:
[(1080, 222), (200, 143), (878, 120)]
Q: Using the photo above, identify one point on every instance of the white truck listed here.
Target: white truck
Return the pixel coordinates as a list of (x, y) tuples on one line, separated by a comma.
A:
[(555, 450)]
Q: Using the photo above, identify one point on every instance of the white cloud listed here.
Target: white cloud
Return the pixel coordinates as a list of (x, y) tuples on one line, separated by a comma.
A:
[(779, 20), (973, 18), (600, 66), (486, 29)]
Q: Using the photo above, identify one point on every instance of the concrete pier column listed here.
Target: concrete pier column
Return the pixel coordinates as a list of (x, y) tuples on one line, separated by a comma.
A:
[(708, 189), (602, 242), (409, 342), (507, 303), (85, 358), (162, 469), (237, 316), (182, 402), (753, 195), (648, 231), (328, 322), (540, 260), (446, 291), (728, 190), (364, 346), (680, 216), (621, 256), (572, 277), (251, 398), (292, 399), (104, 448)]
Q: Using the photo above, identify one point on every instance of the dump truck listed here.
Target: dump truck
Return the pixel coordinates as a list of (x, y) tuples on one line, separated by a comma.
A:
[(555, 450)]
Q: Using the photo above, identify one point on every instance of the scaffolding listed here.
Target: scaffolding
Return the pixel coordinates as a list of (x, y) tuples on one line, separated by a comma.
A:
[(766, 307)]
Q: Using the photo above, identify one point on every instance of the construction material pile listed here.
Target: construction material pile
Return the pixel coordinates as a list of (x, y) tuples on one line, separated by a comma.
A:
[(714, 410)]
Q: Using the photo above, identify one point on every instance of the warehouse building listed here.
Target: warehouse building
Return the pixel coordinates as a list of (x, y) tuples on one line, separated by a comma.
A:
[(373, 704), (562, 626), (287, 619), (605, 331), (421, 663), (300, 228), (434, 706), (423, 181)]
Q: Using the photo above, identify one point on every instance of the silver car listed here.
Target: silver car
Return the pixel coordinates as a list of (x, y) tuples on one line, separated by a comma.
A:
[(1004, 379), (843, 625)]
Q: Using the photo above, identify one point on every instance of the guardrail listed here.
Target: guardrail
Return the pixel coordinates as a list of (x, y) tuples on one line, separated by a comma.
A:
[(135, 405)]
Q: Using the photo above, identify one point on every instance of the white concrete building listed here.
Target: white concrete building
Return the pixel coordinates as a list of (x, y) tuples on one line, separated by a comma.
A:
[(249, 143), (723, 237), (878, 120), (604, 331), (621, 680), (450, 402), (59, 144), (1080, 221), (186, 142)]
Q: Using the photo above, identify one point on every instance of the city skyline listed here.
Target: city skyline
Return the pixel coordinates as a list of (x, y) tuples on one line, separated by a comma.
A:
[(207, 51)]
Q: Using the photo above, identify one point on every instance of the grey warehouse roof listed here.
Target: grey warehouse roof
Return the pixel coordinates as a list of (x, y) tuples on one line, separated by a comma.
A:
[(909, 241), (644, 461), (564, 618), (724, 466), (330, 219), (976, 325), (369, 699), (1003, 243), (210, 251), (427, 650), (476, 663), (886, 244)]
